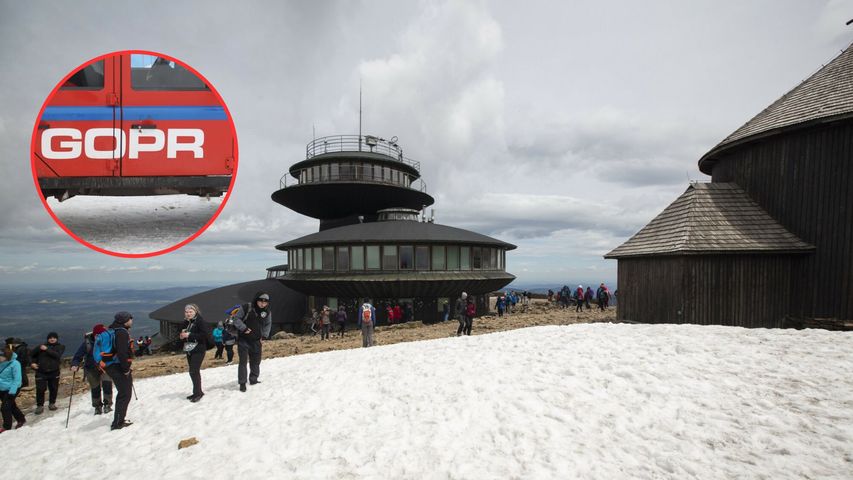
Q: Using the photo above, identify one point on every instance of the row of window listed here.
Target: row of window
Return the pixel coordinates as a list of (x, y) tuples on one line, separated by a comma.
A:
[(396, 257), (147, 72), (354, 171)]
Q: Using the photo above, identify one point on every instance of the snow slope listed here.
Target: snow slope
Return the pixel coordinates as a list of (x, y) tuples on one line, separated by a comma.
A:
[(140, 224), (581, 401)]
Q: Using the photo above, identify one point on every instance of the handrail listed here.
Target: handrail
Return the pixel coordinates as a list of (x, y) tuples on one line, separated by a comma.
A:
[(356, 143), (287, 180)]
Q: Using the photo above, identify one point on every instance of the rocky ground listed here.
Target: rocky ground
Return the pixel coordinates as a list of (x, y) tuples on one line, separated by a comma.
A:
[(539, 313)]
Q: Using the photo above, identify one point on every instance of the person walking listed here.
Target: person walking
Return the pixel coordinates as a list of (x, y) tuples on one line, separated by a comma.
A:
[(579, 299), (587, 297), (10, 385), (254, 326), (601, 294), (217, 339), (470, 313), (445, 311), (324, 323), (366, 322), (118, 367), (341, 318), (500, 305), (22, 353), (45, 361), (459, 312), (99, 382), (194, 336)]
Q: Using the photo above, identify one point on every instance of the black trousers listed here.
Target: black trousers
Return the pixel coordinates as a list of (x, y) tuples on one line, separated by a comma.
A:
[(194, 360), (48, 381), (579, 306), (10, 409), (124, 386), (324, 333), (463, 322), (249, 352), (343, 326), (229, 350), (469, 322), (99, 382), (219, 348)]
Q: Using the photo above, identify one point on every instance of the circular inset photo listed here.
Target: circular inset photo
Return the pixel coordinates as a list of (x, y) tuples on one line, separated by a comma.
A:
[(134, 153)]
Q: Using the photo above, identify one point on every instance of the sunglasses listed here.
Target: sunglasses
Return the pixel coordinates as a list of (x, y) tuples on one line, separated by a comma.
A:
[(262, 300)]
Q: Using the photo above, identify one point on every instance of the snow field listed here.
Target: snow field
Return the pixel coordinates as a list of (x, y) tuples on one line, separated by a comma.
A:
[(580, 401)]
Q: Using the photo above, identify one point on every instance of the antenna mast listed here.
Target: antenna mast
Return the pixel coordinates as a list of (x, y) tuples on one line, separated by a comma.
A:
[(359, 114)]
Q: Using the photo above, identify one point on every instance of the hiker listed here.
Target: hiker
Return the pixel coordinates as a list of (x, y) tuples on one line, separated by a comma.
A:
[(217, 339), (398, 313), (408, 312), (389, 313), (601, 294), (579, 299), (459, 312), (118, 367), (148, 343), (194, 336), (366, 322), (228, 341), (10, 385), (324, 323), (470, 313), (315, 321), (445, 311), (500, 304), (98, 381), (45, 360), (588, 297), (22, 353), (255, 325), (341, 318)]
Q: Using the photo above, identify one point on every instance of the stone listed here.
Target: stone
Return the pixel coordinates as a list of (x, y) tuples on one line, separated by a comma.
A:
[(187, 442)]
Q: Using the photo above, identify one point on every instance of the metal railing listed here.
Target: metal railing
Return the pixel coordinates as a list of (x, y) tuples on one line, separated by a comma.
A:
[(288, 181), (356, 143)]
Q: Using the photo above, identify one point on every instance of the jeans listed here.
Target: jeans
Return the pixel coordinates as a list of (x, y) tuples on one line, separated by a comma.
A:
[(229, 351), (367, 334)]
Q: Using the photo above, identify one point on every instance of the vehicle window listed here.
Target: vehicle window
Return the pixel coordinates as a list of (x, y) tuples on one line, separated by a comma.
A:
[(90, 77), (149, 72)]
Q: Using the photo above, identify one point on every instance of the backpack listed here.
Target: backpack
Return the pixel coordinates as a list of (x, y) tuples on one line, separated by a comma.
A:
[(228, 324), (471, 310), (23, 351), (366, 315), (104, 349)]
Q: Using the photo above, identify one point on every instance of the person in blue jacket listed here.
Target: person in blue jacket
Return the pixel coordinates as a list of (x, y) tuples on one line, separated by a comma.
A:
[(217, 339), (98, 380), (10, 383)]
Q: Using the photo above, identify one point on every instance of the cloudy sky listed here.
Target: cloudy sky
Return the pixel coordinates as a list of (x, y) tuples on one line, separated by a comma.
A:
[(562, 127)]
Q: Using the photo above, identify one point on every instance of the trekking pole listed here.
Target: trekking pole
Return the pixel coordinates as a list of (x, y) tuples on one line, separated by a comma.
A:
[(70, 398), (133, 387)]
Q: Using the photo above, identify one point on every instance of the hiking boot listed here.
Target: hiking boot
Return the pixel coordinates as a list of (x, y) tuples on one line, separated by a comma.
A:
[(254, 382), (99, 410), (197, 398), (190, 397), (20, 424), (229, 363), (108, 408), (52, 407), (242, 387), (39, 410), (119, 426)]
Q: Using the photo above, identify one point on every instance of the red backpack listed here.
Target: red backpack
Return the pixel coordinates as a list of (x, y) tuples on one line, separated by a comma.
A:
[(366, 317)]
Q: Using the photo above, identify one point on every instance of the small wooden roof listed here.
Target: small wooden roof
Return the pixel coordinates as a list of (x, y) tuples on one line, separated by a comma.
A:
[(825, 96), (711, 218)]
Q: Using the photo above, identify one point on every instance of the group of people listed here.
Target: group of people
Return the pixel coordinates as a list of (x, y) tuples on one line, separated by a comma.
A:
[(508, 301), (581, 298), (143, 346), (321, 321)]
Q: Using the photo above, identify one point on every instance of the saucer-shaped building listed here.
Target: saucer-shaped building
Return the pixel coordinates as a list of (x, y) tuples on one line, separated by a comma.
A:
[(374, 241), (769, 242)]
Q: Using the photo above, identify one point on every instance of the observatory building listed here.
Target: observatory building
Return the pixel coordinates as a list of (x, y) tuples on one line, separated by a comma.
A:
[(374, 241), (769, 241)]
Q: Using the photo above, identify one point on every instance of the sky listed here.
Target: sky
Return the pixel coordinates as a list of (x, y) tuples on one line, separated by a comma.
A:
[(560, 127)]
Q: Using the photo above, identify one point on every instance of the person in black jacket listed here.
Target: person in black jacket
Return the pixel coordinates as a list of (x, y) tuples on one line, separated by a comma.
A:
[(254, 325), (45, 361), (98, 381), (118, 368), (194, 336)]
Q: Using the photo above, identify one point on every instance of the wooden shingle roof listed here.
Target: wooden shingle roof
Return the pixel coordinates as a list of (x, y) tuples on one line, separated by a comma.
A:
[(825, 96), (711, 218)]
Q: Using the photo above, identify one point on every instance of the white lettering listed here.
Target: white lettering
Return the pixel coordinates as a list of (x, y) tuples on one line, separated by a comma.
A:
[(94, 133), (194, 146), (72, 148), (70, 144), (136, 147)]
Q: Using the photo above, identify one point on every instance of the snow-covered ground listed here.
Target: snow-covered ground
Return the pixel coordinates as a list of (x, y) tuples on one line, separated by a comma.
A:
[(582, 401), (140, 224)]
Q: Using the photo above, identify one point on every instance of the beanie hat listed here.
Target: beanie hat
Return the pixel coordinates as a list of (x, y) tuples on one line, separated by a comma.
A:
[(53, 335), (464, 295), (99, 328), (123, 317)]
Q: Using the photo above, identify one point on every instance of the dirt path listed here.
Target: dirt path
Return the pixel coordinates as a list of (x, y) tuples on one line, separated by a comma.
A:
[(168, 363)]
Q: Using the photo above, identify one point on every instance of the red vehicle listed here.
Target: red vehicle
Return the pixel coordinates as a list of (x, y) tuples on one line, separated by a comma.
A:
[(134, 124)]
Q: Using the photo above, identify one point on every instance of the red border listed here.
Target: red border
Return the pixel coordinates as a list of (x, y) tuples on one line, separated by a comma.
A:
[(134, 255)]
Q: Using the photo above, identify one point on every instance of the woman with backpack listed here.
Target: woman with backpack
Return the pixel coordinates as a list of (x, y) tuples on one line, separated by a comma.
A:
[(470, 312), (10, 384), (194, 336)]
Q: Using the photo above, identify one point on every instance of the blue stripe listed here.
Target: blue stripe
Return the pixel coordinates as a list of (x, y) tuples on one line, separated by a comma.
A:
[(136, 113)]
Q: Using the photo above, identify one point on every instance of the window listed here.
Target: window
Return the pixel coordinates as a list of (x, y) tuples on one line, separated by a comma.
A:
[(477, 259), (149, 72), (367, 171), (438, 257), (453, 257), (343, 259), (377, 172), (332, 303), (324, 172), (373, 256), (315, 173), (335, 171), (389, 257), (318, 258), (386, 174), (493, 263), (308, 257), (358, 258), (464, 258), (328, 258), (422, 257), (407, 253), (90, 77)]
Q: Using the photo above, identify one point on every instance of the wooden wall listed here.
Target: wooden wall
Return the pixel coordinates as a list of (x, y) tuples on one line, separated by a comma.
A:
[(804, 180)]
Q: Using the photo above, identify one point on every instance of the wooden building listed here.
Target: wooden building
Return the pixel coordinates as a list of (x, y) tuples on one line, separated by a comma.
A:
[(769, 242)]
